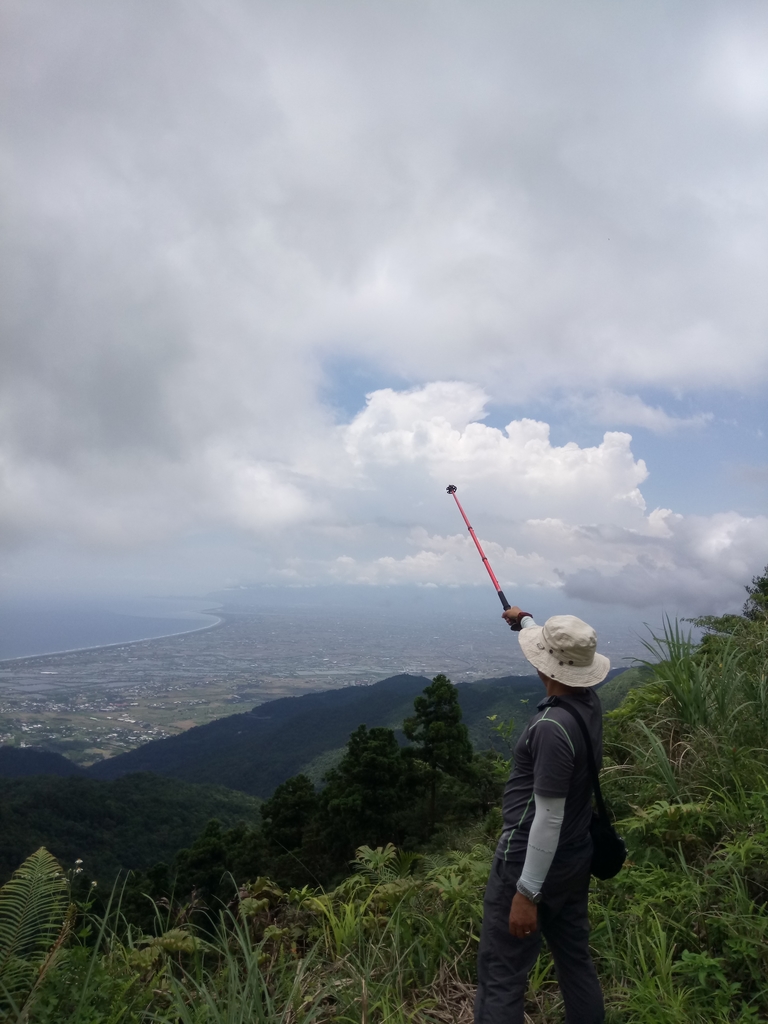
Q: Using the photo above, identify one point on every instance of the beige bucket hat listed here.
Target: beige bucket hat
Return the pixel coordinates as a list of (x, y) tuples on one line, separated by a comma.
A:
[(564, 648)]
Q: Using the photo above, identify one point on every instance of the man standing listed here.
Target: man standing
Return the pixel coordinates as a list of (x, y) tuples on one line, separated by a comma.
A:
[(539, 881)]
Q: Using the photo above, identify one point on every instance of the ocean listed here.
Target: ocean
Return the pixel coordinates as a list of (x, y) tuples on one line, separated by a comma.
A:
[(431, 620), (45, 626)]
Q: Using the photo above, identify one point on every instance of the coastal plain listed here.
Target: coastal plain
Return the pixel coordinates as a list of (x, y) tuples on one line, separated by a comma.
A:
[(93, 704)]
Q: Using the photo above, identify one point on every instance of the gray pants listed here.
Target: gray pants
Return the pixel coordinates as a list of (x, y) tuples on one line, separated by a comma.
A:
[(503, 962)]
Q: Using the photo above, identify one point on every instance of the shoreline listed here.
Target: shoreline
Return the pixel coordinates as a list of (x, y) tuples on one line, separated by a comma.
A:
[(221, 618)]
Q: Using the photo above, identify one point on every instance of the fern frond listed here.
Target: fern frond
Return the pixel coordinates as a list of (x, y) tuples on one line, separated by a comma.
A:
[(54, 954), (32, 908)]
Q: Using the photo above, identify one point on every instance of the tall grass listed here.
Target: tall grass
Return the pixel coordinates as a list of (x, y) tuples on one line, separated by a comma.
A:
[(236, 980)]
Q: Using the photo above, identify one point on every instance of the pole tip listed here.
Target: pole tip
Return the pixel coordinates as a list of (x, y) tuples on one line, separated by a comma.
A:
[(451, 489)]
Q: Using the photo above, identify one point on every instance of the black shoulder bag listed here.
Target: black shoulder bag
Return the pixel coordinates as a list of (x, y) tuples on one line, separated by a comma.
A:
[(610, 850)]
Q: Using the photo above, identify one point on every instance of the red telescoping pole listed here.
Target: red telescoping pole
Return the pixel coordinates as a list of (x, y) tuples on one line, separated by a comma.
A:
[(451, 489)]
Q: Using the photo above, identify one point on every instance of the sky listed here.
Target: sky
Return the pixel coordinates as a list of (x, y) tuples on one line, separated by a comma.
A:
[(273, 275)]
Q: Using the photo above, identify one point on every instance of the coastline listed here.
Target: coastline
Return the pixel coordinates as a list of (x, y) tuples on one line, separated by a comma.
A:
[(221, 618)]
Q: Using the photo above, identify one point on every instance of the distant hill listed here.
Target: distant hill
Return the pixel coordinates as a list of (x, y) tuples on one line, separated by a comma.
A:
[(617, 686), (133, 822), (256, 751), (19, 762)]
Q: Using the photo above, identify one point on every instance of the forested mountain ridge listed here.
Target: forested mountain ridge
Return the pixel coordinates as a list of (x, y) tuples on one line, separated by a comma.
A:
[(130, 823), (256, 751), (20, 762), (138, 820)]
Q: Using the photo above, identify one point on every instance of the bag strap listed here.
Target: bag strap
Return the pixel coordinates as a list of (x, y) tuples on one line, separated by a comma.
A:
[(556, 702)]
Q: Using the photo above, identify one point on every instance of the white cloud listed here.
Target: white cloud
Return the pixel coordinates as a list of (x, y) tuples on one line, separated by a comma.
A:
[(694, 565), (616, 409), (591, 537), (412, 442), (701, 567), (365, 503), (518, 469), (734, 72)]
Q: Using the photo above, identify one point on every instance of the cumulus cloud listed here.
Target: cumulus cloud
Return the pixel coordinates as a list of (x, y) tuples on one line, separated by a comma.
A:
[(630, 410), (602, 547), (436, 427), (695, 564), (701, 565)]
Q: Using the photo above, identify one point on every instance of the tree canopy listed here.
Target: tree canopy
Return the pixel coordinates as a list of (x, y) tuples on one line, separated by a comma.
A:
[(756, 605)]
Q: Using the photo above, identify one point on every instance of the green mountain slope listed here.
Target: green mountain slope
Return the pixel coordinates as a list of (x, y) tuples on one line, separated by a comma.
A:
[(20, 762), (616, 687), (133, 822), (256, 751)]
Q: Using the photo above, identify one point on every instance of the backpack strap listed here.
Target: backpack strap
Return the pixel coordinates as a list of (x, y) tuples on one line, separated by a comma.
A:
[(556, 702)]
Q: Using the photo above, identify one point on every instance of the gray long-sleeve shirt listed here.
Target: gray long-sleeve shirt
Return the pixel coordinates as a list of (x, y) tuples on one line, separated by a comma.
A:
[(551, 760)]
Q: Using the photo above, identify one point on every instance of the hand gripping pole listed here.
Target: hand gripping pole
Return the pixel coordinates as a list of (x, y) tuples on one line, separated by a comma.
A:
[(451, 489)]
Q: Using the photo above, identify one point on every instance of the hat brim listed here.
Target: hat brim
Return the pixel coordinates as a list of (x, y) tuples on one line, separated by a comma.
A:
[(571, 675)]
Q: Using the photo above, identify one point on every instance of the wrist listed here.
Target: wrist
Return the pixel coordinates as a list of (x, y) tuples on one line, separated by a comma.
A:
[(528, 894), (516, 622)]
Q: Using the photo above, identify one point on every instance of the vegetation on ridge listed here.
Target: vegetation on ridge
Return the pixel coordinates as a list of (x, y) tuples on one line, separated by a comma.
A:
[(257, 751), (133, 822)]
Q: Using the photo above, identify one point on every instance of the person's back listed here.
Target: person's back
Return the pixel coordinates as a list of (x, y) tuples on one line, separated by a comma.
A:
[(555, 741), (539, 882)]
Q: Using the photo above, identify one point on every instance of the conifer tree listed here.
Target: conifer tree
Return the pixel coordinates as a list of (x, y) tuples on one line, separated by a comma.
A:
[(287, 813), (440, 737), (364, 795)]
